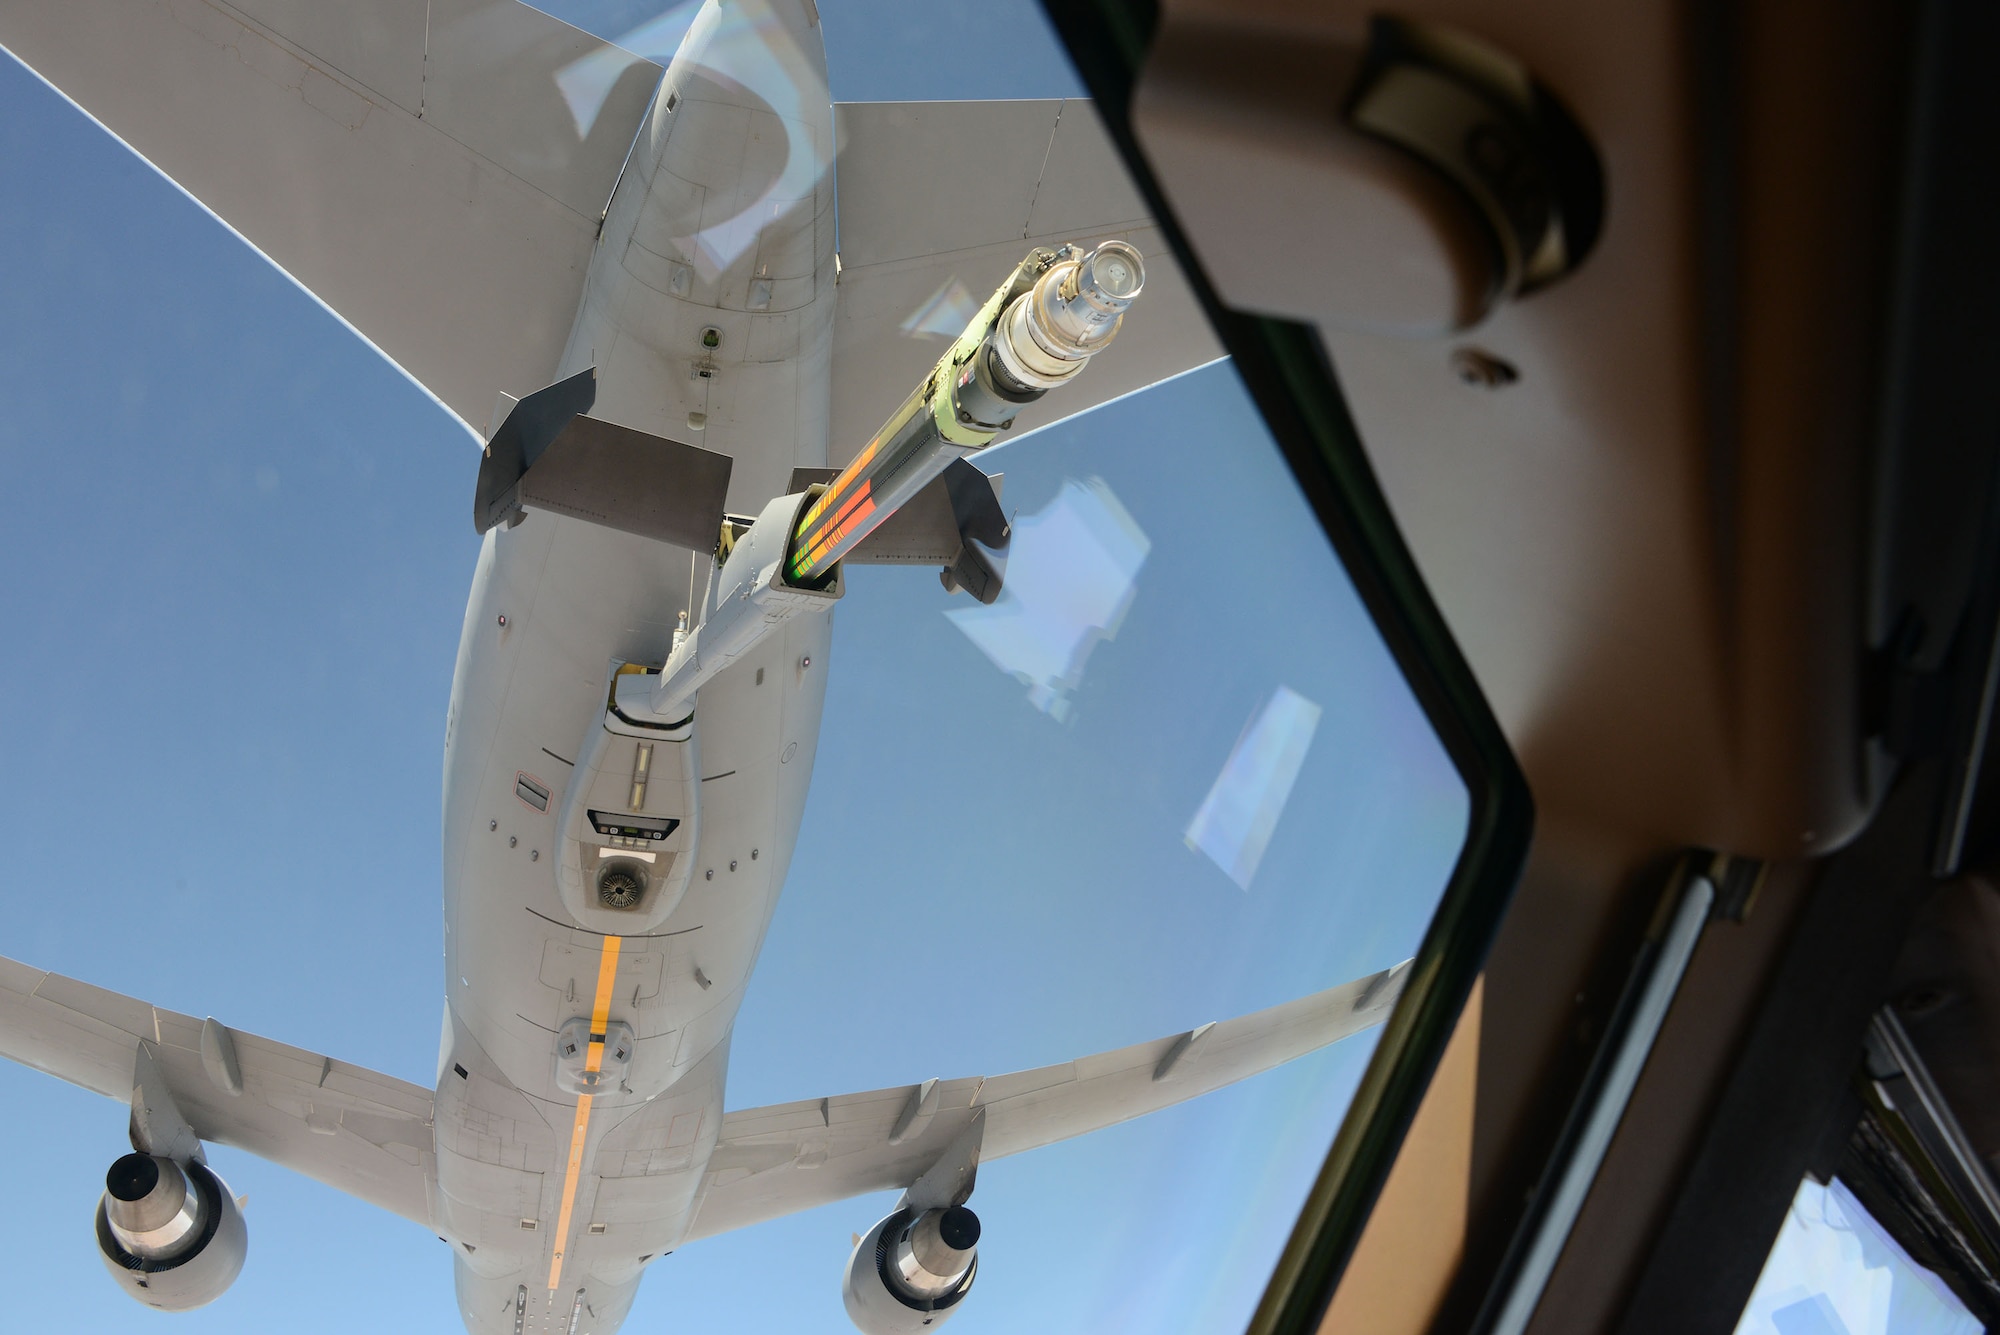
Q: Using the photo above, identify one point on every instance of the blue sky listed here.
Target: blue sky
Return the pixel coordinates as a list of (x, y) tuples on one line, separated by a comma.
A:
[(237, 556)]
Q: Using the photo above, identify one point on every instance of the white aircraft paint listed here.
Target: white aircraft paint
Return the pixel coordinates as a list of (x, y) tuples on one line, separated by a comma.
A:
[(708, 310), (724, 220)]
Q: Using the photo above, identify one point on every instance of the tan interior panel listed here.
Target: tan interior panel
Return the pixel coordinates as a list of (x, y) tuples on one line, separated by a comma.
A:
[(1410, 1249)]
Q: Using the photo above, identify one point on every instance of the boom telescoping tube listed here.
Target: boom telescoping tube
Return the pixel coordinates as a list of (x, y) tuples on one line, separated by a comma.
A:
[(1057, 310)]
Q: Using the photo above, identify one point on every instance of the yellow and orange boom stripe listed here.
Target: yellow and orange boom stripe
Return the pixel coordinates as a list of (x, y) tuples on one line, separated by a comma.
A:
[(600, 1016)]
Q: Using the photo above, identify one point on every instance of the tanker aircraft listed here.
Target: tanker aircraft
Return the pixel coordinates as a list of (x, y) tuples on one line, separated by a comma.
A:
[(687, 365)]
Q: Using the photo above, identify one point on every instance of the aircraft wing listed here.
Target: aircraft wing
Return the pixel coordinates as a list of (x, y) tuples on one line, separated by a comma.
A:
[(790, 1157), (938, 202), (365, 1133), (433, 170)]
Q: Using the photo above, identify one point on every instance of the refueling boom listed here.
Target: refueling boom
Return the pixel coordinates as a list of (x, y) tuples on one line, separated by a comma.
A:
[(1056, 311)]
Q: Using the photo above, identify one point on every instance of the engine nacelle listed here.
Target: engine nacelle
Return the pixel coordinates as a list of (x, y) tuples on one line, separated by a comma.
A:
[(911, 1271), (170, 1233)]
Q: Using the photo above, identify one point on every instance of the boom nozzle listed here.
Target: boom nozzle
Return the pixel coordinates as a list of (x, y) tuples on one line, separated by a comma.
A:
[(1059, 309), (1073, 310)]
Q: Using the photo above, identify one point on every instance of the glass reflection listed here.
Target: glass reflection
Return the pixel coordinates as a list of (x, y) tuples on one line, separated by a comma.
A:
[(1240, 813), (992, 878), (986, 883), (741, 47), (1071, 575), (1835, 1271), (945, 313)]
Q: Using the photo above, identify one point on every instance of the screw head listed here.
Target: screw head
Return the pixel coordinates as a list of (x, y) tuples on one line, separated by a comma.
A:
[(1482, 370)]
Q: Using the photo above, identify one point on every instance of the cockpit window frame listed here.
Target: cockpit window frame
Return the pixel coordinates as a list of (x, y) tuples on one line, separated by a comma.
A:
[(1289, 376)]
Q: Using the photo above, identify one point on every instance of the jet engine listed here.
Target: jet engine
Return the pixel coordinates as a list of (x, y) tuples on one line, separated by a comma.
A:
[(170, 1233), (911, 1270)]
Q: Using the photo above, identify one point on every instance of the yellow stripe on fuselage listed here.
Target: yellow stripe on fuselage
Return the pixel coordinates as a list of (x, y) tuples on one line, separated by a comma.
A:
[(600, 1015)]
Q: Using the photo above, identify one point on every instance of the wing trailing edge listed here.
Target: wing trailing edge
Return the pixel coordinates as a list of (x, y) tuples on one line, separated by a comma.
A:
[(366, 1133), (788, 1157)]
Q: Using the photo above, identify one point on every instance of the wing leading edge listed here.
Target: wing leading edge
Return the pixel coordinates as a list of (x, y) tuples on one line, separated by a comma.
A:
[(367, 1134), (433, 170), (788, 1157), (370, 1134)]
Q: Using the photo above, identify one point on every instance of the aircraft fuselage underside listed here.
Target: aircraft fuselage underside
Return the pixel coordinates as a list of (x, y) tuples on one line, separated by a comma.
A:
[(552, 1197)]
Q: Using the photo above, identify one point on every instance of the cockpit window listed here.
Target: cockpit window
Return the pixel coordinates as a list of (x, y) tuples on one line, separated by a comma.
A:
[(1173, 774), (1834, 1270), (1171, 777), (1202, 783)]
